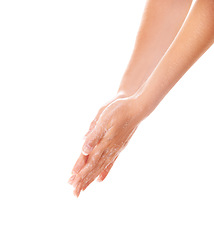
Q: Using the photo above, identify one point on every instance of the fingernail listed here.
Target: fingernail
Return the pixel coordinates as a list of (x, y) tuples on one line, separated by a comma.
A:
[(86, 150), (84, 153)]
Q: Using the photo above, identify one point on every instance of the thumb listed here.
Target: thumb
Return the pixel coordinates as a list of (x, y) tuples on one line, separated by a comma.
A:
[(92, 139)]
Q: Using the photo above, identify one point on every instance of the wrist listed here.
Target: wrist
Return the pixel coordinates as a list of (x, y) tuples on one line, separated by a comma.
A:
[(137, 103), (140, 108)]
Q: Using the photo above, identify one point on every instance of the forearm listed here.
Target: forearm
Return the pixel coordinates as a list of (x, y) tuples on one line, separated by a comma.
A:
[(195, 37), (160, 23)]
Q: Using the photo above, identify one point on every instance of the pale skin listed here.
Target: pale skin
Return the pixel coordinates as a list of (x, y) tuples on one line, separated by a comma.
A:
[(164, 51)]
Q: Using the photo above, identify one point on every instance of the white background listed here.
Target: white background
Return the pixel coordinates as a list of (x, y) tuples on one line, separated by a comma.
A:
[(60, 61)]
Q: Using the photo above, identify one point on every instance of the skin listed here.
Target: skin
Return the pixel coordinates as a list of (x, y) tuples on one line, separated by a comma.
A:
[(159, 25), (117, 122), (154, 37)]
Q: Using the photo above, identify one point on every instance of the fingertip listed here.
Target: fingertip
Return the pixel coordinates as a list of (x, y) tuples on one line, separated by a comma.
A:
[(77, 191), (99, 179), (80, 163), (86, 150), (83, 189), (92, 140), (71, 179), (75, 194)]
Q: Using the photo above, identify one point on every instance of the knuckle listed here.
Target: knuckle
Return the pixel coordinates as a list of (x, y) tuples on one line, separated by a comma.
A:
[(112, 133), (95, 157), (102, 129)]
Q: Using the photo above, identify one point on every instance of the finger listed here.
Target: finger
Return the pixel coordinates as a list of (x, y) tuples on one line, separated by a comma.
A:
[(93, 139), (92, 125), (77, 191), (80, 163), (71, 179), (87, 184), (96, 159), (109, 156), (92, 161), (94, 122), (106, 171), (103, 163), (91, 177)]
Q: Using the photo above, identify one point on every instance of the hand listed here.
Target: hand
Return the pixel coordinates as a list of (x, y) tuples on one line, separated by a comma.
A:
[(110, 135), (80, 163), (93, 123)]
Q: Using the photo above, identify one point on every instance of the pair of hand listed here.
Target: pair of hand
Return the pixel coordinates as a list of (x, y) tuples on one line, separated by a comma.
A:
[(108, 135)]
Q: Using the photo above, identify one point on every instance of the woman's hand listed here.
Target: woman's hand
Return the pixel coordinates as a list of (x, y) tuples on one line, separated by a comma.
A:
[(110, 134), (83, 158), (93, 123)]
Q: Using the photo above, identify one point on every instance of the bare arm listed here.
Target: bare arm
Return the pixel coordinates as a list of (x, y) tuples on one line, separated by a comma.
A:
[(195, 37), (160, 23), (120, 119)]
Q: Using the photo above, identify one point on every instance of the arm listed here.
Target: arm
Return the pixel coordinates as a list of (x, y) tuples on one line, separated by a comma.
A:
[(120, 119), (195, 37), (160, 23)]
